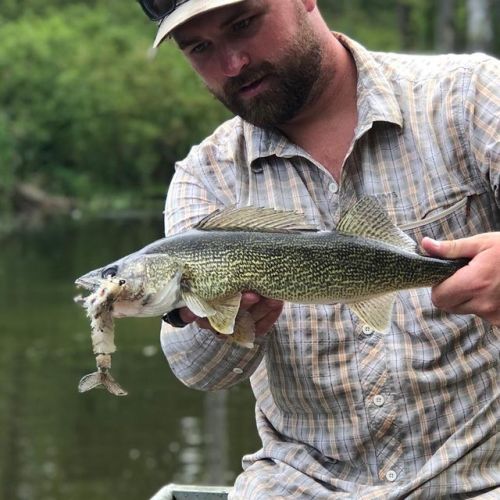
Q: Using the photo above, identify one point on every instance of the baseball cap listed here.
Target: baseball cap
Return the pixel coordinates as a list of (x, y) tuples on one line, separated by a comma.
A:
[(172, 13)]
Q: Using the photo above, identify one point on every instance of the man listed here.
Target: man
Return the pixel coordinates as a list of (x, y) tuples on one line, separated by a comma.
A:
[(342, 411)]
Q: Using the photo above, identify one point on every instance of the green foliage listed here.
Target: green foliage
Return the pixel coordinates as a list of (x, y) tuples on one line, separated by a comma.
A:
[(87, 110), (400, 25), (370, 23), (8, 162)]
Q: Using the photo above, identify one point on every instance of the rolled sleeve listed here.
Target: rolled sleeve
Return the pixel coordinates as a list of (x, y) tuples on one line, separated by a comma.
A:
[(202, 360)]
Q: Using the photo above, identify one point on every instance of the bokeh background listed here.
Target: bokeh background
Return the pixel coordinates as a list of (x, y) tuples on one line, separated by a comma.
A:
[(91, 123)]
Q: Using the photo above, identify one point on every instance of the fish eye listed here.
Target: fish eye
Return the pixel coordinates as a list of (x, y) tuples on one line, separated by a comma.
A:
[(109, 272)]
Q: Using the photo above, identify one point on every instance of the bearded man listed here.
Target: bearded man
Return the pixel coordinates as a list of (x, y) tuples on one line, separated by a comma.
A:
[(344, 411)]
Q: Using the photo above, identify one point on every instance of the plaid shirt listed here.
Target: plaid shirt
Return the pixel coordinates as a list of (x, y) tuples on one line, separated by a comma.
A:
[(343, 411)]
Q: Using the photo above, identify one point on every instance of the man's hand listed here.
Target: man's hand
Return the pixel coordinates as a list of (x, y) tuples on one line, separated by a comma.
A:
[(475, 288), (264, 312)]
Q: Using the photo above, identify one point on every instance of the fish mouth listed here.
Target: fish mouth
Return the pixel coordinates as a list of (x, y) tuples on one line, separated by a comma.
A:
[(90, 281)]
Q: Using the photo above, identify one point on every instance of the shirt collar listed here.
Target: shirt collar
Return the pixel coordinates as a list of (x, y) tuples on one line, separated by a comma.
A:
[(376, 97), (376, 101)]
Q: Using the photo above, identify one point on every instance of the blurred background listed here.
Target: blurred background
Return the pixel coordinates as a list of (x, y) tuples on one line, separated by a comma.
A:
[(91, 123)]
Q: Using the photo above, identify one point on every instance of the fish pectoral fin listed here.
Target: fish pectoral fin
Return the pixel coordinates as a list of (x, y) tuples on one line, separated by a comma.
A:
[(376, 312), (197, 305), (224, 318), (221, 313), (367, 218), (101, 380), (244, 330)]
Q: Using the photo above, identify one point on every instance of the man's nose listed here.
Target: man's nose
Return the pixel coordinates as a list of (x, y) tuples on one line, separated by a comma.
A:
[(232, 60)]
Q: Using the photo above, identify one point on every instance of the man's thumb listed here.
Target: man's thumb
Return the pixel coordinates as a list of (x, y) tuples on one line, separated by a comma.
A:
[(451, 249)]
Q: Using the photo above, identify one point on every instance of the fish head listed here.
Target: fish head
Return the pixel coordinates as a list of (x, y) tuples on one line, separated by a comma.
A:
[(149, 284)]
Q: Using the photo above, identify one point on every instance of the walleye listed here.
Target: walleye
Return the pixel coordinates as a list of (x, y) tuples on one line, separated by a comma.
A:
[(363, 263)]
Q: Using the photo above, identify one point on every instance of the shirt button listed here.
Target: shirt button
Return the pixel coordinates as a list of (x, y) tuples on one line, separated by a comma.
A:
[(238, 371), (333, 188), (391, 476), (379, 400), (367, 329)]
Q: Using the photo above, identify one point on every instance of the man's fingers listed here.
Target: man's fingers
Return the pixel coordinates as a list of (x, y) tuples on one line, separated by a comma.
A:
[(486, 309), (264, 311), (265, 314), (248, 299), (265, 307), (453, 249), (453, 292), (187, 315), (475, 288)]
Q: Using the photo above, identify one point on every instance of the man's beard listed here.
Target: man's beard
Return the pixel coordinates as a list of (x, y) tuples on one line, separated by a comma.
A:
[(292, 83)]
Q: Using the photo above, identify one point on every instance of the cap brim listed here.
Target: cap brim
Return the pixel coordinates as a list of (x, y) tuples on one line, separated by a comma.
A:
[(186, 11)]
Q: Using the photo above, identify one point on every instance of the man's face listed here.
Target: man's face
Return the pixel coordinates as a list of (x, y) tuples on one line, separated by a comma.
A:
[(260, 58)]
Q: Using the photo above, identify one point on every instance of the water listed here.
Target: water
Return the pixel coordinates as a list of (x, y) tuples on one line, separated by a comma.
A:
[(58, 444)]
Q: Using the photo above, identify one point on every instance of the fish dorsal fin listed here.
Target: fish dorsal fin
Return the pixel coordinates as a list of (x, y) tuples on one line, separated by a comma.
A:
[(376, 312), (367, 218), (255, 219)]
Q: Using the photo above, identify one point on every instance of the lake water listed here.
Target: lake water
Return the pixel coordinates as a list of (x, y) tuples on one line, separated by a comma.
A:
[(58, 444)]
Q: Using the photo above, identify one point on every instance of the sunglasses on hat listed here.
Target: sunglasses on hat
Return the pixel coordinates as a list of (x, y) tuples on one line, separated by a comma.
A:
[(156, 10)]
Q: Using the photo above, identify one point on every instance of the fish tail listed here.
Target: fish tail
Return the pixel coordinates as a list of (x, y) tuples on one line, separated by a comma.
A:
[(90, 381), (101, 380)]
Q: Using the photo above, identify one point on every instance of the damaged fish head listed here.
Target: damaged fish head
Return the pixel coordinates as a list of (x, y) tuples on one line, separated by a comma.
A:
[(149, 284)]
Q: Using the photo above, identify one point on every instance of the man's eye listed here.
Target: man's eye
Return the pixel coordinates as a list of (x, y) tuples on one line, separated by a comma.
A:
[(199, 48), (242, 25)]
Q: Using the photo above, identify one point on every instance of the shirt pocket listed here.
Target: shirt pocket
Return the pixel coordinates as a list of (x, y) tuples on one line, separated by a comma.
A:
[(451, 212)]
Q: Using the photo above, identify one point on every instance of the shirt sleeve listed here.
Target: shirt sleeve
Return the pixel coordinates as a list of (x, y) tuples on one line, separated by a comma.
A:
[(482, 118), (198, 357)]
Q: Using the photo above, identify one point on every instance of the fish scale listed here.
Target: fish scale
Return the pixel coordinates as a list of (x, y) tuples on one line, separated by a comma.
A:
[(323, 267), (363, 263)]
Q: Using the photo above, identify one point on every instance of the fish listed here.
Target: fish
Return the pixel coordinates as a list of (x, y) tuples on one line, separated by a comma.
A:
[(99, 309), (363, 263)]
